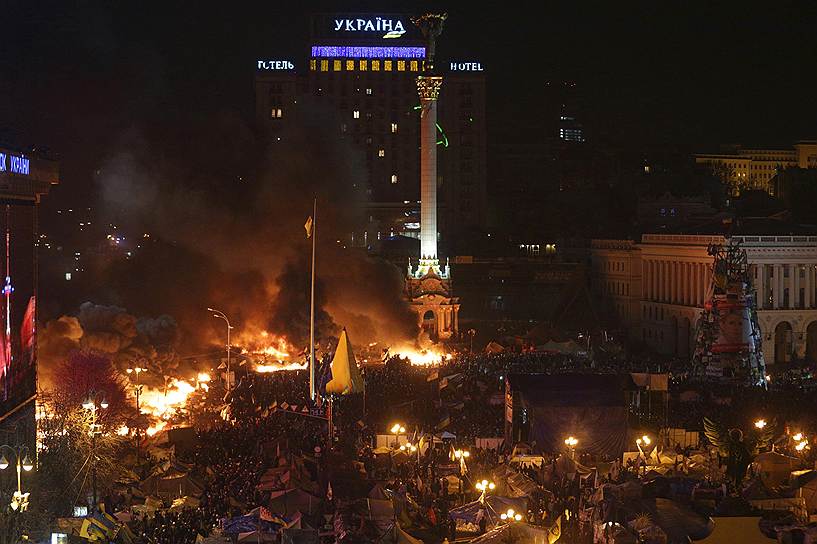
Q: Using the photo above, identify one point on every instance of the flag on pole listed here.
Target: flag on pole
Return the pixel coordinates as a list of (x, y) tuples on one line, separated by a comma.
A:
[(555, 531), (308, 226), (346, 376)]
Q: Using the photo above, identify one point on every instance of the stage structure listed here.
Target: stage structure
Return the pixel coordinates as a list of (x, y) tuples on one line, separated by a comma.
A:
[(728, 339), (428, 286)]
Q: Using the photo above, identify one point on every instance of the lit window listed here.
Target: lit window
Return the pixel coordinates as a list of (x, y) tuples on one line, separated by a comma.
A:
[(337, 65), (68, 276), (394, 178), (363, 64), (369, 91), (356, 114), (313, 64), (276, 113), (394, 128), (324, 66), (401, 66), (343, 127), (387, 65), (381, 152), (350, 66), (375, 66), (414, 65)]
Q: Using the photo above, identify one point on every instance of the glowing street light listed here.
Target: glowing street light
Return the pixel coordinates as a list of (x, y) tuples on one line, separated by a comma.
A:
[(571, 443), (19, 500), (798, 437), (397, 430), (760, 423), (484, 486), (510, 515), (91, 405), (220, 315), (138, 390)]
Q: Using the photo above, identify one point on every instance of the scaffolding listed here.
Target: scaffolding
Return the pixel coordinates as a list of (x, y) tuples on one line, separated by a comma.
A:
[(728, 342)]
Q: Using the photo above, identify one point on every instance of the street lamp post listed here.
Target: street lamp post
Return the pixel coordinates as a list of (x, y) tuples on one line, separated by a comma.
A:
[(646, 441), (19, 501), (397, 430), (220, 315), (138, 389), (93, 408), (571, 442)]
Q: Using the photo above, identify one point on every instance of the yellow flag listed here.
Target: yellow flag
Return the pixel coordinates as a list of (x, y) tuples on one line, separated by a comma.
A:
[(555, 531), (346, 376), (308, 226)]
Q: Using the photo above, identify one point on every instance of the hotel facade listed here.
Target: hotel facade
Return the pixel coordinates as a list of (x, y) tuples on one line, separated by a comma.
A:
[(359, 75)]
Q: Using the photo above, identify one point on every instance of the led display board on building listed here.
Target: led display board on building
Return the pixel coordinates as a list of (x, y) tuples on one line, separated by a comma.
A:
[(364, 52)]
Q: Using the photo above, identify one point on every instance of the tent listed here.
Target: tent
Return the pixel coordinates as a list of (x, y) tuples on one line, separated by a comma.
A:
[(743, 529), (774, 468), (512, 533), (494, 347), (172, 484), (567, 348), (493, 506), (805, 481), (290, 501)]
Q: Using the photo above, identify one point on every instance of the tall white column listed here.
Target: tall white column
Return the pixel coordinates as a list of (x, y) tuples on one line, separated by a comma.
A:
[(794, 296), (428, 87), (760, 287), (809, 286), (778, 286)]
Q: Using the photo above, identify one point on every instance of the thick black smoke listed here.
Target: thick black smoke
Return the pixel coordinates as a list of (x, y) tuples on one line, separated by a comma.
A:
[(225, 211)]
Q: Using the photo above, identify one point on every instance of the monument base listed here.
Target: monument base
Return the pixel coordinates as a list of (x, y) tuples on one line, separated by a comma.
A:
[(430, 295)]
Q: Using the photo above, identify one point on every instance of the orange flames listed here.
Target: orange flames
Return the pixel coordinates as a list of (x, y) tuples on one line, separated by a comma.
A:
[(432, 356), (270, 353)]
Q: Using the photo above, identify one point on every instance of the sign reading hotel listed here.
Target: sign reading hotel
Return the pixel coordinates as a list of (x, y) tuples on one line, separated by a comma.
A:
[(275, 65), (465, 67)]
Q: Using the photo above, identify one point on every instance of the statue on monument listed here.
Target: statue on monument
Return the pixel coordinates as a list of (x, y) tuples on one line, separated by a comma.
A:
[(431, 25)]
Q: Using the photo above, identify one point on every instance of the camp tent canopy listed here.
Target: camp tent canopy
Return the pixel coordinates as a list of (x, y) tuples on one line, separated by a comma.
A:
[(736, 529)]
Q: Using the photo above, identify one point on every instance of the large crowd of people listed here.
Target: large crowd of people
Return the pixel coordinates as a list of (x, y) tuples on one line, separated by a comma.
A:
[(269, 423)]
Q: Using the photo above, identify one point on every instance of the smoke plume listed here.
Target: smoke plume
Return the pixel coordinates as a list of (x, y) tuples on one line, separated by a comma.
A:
[(224, 211)]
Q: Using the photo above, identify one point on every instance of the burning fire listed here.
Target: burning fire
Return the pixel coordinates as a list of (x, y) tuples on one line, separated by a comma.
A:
[(265, 369), (423, 357), (270, 353), (165, 405)]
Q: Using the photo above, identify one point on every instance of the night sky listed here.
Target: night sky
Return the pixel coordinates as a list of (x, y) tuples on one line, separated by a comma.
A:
[(79, 76)]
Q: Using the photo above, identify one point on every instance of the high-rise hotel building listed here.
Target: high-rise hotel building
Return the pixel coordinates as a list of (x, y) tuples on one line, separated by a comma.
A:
[(363, 68)]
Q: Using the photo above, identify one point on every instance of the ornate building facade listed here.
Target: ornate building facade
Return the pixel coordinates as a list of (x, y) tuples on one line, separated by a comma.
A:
[(658, 287)]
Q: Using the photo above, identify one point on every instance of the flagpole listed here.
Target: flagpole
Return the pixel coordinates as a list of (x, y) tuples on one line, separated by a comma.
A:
[(312, 304)]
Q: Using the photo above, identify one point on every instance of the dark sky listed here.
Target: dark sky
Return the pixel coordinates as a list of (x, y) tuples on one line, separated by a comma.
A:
[(75, 76)]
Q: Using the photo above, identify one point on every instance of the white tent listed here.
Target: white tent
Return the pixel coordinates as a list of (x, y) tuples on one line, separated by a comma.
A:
[(738, 529)]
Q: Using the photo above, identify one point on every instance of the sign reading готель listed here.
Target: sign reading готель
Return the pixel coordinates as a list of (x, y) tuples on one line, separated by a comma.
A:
[(275, 65)]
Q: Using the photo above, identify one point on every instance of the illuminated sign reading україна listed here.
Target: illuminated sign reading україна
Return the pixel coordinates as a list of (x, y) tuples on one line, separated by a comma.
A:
[(393, 28), (14, 164)]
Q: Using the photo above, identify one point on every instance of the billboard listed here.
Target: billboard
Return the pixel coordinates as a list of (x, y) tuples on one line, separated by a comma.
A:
[(18, 376)]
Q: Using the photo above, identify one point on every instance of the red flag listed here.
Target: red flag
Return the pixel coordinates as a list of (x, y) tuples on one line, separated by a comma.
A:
[(27, 329)]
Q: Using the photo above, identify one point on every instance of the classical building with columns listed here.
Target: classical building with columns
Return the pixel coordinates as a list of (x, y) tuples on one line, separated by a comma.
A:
[(657, 288)]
